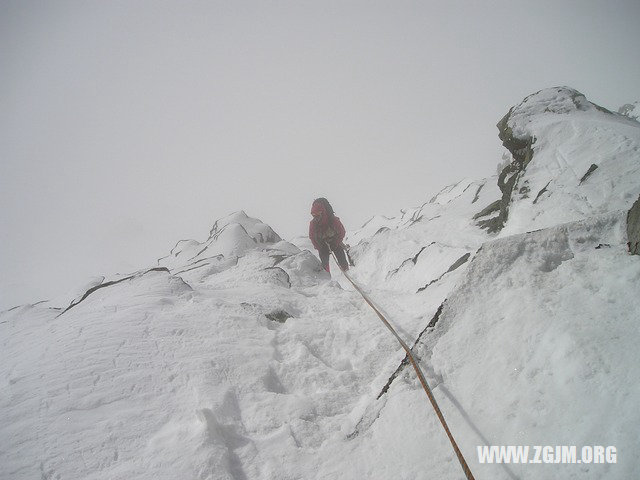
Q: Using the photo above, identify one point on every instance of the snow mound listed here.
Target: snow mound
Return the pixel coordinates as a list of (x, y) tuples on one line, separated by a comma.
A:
[(230, 237), (254, 228), (240, 251)]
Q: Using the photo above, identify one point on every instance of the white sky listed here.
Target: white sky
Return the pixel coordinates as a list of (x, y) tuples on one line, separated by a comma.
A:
[(127, 126)]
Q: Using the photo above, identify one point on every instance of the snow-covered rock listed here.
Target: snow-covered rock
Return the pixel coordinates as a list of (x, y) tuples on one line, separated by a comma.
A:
[(402, 255), (633, 228), (230, 236), (631, 110), (571, 159), (240, 358)]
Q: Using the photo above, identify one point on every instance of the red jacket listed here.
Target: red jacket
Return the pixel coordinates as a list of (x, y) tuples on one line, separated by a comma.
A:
[(325, 228), (332, 232)]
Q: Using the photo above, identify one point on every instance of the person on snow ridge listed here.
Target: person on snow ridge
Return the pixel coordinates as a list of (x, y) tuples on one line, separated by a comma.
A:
[(327, 232)]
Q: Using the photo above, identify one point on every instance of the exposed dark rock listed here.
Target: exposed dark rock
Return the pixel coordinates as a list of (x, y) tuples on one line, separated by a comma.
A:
[(415, 220), (603, 245), (524, 190), (630, 110), (383, 216), (633, 228), (278, 315), (382, 229), (544, 189), (416, 216), (448, 189), (592, 169), (488, 210), (521, 147), (280, 276), (405, 360), (433, 321), (505, 133), (522, 154), (394, 375), (461, 261), (415, 257), (192, 268), (108, 284), (408, 260), (205, 262), (477, 195), (396, 270), (200, 252)]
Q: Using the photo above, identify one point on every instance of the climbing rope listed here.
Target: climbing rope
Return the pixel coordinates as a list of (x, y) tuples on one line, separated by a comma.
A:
[(416, 367)]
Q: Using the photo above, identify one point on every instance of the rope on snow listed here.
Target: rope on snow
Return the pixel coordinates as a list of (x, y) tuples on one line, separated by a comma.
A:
[(416, 367)]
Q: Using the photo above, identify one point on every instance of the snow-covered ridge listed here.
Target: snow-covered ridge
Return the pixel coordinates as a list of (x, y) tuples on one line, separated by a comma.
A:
[(239, 358), (570, 159), (545, 106)]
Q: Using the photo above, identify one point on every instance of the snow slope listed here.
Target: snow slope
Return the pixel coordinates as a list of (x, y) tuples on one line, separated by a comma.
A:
[(552, 320), (240, 358)]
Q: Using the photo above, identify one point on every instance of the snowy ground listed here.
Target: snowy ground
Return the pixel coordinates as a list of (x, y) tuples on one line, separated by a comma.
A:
[(240, 358)]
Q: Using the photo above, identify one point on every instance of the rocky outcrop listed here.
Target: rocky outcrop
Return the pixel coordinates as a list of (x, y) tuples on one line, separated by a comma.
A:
[(516, 131), (493, 217), (633, 228), (279, 315)]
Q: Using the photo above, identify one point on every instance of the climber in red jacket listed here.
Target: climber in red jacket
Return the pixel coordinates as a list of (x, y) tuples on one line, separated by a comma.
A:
[(327, 232)]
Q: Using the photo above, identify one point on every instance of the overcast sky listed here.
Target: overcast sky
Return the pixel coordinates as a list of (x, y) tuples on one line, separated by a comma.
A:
[(126, 126)]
